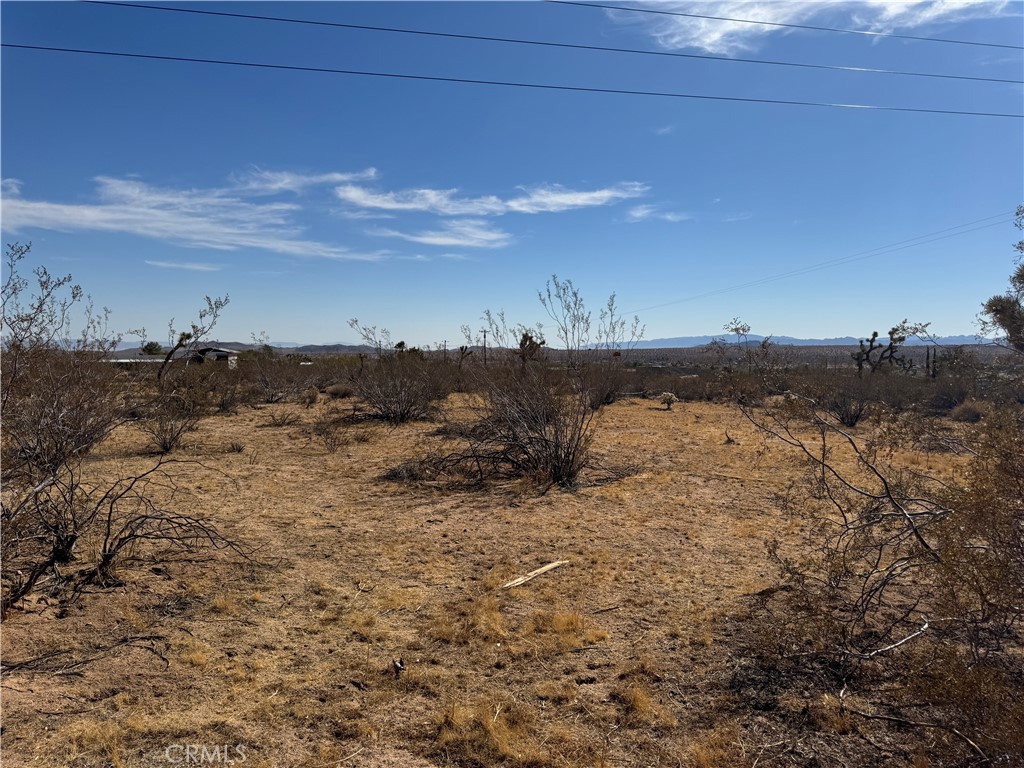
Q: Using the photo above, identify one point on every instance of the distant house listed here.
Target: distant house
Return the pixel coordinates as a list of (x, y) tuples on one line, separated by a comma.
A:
[(216, 354), (202, 355)]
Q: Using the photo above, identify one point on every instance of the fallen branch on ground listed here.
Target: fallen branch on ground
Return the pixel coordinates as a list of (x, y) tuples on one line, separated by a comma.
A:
[(534, 574)]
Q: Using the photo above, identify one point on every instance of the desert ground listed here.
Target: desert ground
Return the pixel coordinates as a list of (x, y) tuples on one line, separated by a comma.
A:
[(369, 625)]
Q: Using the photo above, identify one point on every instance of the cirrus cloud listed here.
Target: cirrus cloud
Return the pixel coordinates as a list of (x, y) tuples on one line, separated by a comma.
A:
[(547, 198), (464, 233), (652, 213), (731, 38), (217, 218)]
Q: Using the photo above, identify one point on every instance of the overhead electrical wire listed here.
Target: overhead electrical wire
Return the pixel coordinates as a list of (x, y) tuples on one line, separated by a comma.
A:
[(505, 83), (881, 250), (788, 26), (552, 44)]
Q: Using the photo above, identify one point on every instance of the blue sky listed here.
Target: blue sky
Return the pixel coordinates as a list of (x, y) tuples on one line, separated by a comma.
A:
[(311, 198)]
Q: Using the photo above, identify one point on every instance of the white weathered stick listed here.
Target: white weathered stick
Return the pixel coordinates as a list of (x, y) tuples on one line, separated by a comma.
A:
[(534, 574)]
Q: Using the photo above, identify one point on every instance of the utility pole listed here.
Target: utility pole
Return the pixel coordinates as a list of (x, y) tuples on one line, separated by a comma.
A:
[(485, 346), (444, 345)]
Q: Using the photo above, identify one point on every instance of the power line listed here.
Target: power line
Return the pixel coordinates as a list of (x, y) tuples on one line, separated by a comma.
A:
[(881, 250), (788, 26), (504, 83), (553, 44)]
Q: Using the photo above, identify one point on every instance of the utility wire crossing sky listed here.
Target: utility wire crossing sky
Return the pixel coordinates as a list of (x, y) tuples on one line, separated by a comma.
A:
[(462, 153)]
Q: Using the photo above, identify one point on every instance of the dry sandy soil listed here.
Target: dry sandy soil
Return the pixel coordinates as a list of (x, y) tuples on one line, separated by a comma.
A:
[(626, 655)]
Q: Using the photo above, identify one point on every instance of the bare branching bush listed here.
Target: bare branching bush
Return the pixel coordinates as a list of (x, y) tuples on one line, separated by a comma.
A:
[(909, 576), (168, 419), (846, 398), (61, 397), (401, 384), (535, 408), (401, 387), (131, 523), (271, 379), (538, 422), (597, 358), (282, 419), (228, 390), (329, 429)]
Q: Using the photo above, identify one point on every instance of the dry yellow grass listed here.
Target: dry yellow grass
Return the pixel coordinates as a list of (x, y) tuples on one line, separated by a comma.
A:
[(620, 657)]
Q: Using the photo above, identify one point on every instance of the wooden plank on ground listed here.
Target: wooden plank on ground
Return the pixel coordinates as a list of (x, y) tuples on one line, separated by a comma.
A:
[(534, 574)]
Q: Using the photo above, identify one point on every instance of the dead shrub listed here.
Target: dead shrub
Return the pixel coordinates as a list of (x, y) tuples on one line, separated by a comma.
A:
[(914, 580), (330, 431), (491, 731), (639, 708), (282, 419), (967, 413), (168, 420), (534, 421), (339, 391), (309, 397), (60, 527), (271, 379), (402, 387), (844, 396)]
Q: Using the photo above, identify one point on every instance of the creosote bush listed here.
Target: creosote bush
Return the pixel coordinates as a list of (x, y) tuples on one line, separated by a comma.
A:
[(912, 579), (535, 408), (61, 397), (168, 420), (402, 387)]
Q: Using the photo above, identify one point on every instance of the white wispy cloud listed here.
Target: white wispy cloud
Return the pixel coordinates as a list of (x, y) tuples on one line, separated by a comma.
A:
[(890, 15), (10, 187), (733, 38), (214, 218), (664, 130), (260, 181), (361, 215), (650, 212), (464, 233), (551, 198), (192, 266), (737, 217), (555, 198)]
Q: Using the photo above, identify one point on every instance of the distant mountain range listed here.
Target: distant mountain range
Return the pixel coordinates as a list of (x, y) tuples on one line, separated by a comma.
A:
[(840, 341), (674, 342)]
